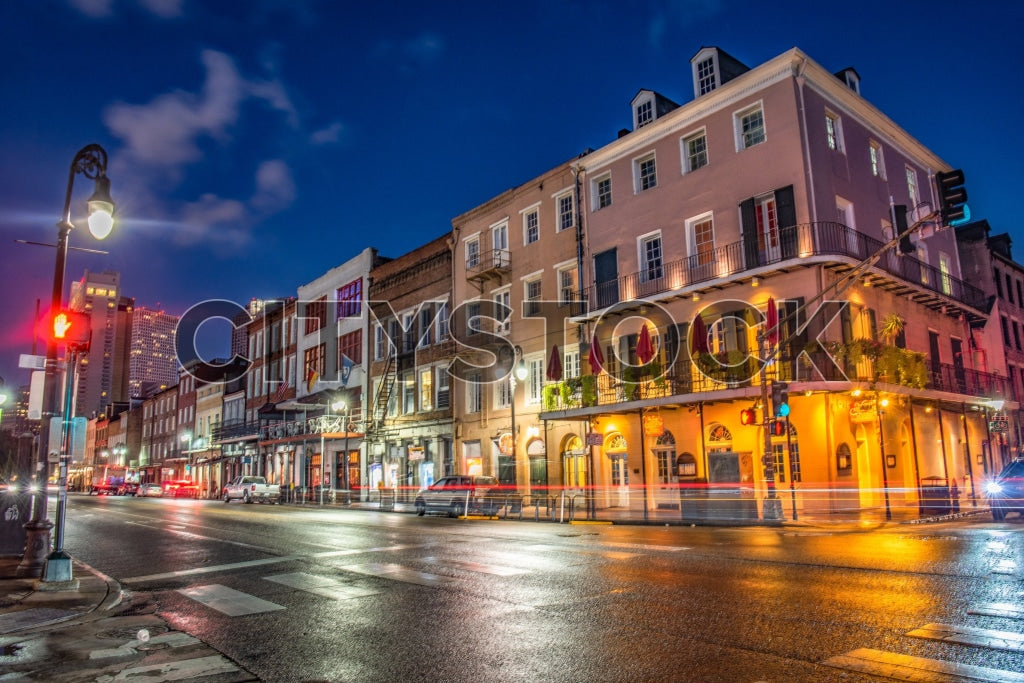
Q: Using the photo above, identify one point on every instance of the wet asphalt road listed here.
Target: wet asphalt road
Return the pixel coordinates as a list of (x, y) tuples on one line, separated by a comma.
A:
[(354, 595)]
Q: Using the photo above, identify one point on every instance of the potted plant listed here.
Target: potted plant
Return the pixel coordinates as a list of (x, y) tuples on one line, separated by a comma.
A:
[(588, 390)]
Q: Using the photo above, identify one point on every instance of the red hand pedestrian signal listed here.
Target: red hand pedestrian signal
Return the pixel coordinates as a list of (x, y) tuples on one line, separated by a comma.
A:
[(72, 328)]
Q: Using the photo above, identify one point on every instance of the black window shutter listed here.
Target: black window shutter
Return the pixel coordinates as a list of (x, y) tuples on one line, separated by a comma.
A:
[(749, 232), (786, 208)]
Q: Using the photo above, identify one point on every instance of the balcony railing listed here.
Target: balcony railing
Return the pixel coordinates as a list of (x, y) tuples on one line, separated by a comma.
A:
[(315, 426), (494, 263), (235, 430), (797, 241)]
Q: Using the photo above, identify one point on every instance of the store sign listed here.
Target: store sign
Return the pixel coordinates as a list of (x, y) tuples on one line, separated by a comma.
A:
[(594, 439), (416, 453), (999, 424), (863, 410)]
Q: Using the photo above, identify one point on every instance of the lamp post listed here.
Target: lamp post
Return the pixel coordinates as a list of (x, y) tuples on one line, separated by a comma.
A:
[(55, 569), (187, 438), (344, 458), (880, 404), (519, 372)]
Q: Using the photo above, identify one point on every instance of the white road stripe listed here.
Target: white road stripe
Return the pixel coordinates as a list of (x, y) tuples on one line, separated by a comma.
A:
[(229, 601), (478, 567), (399, 573), (999, 609), (324, 586), (209, 570), (645, 546), (181, 670), (609, 554), (907, 668), (967, 635)]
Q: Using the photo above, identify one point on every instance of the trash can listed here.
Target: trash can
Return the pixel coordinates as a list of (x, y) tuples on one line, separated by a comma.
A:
[(934, 496)]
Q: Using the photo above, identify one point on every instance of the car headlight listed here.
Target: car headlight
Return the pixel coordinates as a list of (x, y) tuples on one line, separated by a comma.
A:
[(993, 488)]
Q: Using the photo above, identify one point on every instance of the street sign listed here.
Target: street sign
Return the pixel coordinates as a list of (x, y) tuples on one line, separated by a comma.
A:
[(1000, 425), (594, 439), (27, 361)]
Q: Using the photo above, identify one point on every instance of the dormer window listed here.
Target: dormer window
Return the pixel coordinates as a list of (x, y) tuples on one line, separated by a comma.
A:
[(706, 81), (644, 113)]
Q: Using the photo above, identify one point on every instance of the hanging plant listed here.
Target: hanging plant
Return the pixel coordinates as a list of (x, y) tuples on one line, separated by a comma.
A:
[(892, 326), (550, 394), (588, 390)]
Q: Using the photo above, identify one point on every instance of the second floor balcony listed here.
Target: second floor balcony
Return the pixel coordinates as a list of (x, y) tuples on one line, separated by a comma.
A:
[(234, 431), (488, 265), (902, 274)]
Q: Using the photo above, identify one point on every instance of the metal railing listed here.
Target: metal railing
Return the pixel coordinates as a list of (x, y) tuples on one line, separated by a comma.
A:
[(793, 242)]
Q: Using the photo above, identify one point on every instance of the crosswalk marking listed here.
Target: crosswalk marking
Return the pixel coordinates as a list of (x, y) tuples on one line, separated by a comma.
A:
[(909, 668), (207, 570), (1009, 610), (229, 601), (608, 554), (967, 635), (324, 586), (645, 546), (399, 573), (495, 569)]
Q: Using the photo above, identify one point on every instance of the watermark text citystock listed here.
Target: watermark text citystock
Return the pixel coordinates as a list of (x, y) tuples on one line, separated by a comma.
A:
[(714, 339)]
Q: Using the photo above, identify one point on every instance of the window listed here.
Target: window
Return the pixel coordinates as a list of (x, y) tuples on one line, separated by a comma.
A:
[(313, 361), (473, 318), (877, 162), (502, 394), (531, 226), (944, 274), (350, 299), (427, 389), (442, 321), (644, 113), (650, 257), (602, 191), (499, 242), (408, 332), (443, 391), (695, 151), (1006, 331), (473, 393), (535, 379), (912, 187), (706, 76), (503, 310), (999, 283), (922, 256), (473, 252), (833, 131), (1009, 288), (701, 233), (351, 346), (408, 393), (566, 211), (1020, 294), (532, 296), (749, 127), (567, 284), (646, 173), (316, 315), (1016, 335), (571, 362), (426, 326)]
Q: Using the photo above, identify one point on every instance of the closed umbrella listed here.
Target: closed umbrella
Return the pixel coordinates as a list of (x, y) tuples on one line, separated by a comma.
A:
[(773, 322), (596, 358), (698, 336), (644, 347), (554, 372)]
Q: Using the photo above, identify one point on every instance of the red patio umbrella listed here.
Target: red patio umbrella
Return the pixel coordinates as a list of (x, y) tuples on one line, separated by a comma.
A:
[(644, 347), (773, 322), (554, 372), (596, 358), (698, 336)]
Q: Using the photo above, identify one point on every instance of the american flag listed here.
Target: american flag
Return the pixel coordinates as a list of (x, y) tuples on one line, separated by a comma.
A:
[(279, 394)]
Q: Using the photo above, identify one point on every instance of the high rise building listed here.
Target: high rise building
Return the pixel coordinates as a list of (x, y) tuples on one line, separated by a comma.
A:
[(153, 363), (98, 294)]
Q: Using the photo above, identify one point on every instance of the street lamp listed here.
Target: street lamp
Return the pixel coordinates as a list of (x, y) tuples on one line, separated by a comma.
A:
[(336, 406), (90, 161), (519, 372)]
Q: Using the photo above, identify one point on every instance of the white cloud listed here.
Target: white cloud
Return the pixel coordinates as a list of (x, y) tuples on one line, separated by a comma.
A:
[(214, 221), (94, 8), (275, 188), (166, 9), (331, 133)]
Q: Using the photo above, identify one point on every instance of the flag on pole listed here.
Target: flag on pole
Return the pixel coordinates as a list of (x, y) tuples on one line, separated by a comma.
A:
[(279, 394), (346, 368), (311, 379)]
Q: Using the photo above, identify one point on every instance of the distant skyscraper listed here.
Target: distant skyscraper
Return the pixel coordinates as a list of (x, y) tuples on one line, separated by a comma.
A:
[(98, 294), (153, 363)]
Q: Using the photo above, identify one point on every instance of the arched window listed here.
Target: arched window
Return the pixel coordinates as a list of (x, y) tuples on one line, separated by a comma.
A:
[(844, 458), (574, 462), (665, 453)]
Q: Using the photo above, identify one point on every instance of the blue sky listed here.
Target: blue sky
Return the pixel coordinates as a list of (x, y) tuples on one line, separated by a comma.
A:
[(255, 145)]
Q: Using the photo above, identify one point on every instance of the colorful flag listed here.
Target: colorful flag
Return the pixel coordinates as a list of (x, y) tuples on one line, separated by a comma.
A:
[(311, 380), (279, 394)]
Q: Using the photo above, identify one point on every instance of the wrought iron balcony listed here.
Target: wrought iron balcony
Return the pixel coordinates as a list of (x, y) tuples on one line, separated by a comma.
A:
[(234, 431), (490, 264), (310, 426), (793, 242)]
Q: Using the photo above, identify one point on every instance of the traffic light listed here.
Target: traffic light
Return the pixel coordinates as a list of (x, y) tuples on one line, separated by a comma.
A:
[(778, 428), (780, 399), (899, 214), (72, 328), (952, 195), (748, 416)]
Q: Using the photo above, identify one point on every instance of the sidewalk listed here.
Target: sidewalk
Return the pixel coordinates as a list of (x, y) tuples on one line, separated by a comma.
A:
[(97, 633)]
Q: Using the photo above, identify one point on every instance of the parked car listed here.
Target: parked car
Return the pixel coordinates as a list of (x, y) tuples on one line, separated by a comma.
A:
[(149, 491), (450, 494), (250, 489), (181, 488), (1006, 491), (127, 489)]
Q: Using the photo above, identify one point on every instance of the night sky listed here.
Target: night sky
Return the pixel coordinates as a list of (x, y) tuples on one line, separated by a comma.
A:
[(256, 144)]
